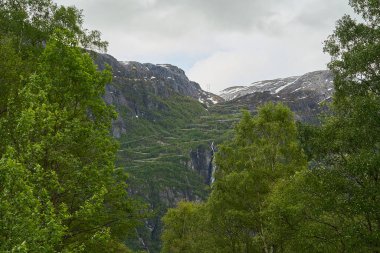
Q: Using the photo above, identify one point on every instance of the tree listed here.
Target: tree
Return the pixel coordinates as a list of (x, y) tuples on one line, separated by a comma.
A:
[(335, 207), (25, 28), (354, 48), (265, 150), (63, 127), (57, 127), (26, 224), (11, 64), (32, 23), (187, 229)]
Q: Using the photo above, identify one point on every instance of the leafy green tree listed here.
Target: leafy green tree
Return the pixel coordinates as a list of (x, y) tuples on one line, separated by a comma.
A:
[(25, 28), (32, 23), (187, 229), (335, 207), (305, 214), (57, 126), (63, 126), (355, 140), (26, 224), (265, 150)]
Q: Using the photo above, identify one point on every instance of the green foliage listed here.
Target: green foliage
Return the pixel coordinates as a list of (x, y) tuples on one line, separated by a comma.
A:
[(60, 191), (26, 224), (32, 23), (334, 207), (9, 79), (186, 229)]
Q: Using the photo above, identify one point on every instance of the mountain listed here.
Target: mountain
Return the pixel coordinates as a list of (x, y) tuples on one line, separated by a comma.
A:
[(166, 136), (169, 128), (305, 94), (320, 82), (140, 87)]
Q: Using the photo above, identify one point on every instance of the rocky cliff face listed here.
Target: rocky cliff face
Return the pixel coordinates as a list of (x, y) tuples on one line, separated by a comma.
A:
[(139, 88), (201, 161), (163, 80)]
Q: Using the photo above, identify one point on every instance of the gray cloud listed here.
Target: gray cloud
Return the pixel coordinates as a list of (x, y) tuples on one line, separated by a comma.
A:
[(221, 14), (173, 18), (219, 42)]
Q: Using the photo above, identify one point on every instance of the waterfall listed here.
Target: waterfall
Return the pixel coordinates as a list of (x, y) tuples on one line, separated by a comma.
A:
[(212, 168)]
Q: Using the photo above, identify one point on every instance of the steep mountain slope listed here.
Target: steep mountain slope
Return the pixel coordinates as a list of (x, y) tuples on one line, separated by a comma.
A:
[(169, 128), (166, 135)]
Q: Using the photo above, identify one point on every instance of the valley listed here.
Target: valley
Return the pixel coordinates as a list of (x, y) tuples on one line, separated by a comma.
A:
[(100, 153)]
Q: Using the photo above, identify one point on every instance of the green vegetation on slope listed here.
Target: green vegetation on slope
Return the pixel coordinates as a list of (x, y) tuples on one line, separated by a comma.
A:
[(156, 153)]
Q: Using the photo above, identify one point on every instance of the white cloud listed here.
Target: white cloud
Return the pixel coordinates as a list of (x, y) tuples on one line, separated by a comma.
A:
[(218, 42)]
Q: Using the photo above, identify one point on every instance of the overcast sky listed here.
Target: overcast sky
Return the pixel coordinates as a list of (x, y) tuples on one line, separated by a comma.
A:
[(219, 43)]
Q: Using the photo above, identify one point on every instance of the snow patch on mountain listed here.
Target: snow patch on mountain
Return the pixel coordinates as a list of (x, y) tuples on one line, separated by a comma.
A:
[(319, 82)]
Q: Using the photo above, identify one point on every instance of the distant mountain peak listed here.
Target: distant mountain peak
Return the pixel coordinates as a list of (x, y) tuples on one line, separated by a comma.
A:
[(305, 95), (317, 81)]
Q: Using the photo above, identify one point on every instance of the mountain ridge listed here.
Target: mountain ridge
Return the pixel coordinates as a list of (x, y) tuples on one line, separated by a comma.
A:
[(160, 77), (319, 81)]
